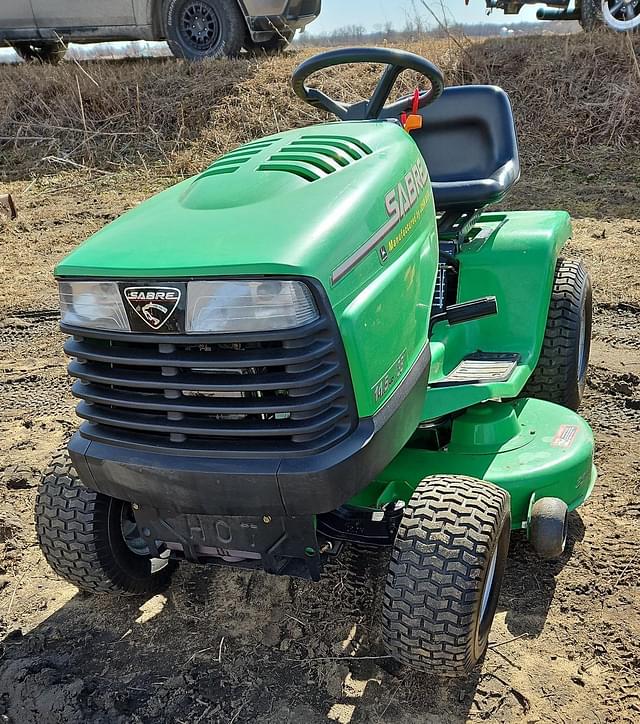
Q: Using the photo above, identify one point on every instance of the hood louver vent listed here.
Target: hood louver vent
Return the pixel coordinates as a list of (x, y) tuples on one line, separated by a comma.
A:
[(231, 162), (314, 157)]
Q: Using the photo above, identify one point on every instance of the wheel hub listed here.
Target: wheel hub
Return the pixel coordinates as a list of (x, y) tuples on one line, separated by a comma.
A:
[(131, 533), (621, 15), (200, 26), (488, 584)]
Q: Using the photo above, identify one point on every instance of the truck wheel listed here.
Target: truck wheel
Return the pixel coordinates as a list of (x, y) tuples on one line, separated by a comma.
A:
[(591, 15), (445, 574), (92, 540), (561, 371), (198, 29), (548, 527), (44, 52)]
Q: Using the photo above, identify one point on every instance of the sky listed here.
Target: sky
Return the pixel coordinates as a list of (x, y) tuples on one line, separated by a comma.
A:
[(337, 13)]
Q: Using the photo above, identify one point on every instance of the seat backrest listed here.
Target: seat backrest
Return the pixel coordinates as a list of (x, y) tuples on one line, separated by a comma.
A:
[(469, 143)]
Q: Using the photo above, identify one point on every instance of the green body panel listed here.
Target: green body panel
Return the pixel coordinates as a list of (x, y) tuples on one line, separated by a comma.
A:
[(299, 204), (527, 447), (512, 257)]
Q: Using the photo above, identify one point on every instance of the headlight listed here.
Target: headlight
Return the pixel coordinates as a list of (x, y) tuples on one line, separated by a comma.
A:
[(212, 306), (97, 305), (248, 306)]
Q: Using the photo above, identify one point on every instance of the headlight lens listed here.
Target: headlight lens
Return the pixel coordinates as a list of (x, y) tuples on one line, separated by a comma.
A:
[(248, 306), (212, 306), (97, 305)]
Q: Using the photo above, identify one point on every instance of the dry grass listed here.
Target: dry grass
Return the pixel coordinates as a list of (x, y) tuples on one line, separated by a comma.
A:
[(568, 92), (575, 97)]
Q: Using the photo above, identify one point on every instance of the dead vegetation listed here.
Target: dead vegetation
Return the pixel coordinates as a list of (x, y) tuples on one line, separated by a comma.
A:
[(575, 97), (242, 647)]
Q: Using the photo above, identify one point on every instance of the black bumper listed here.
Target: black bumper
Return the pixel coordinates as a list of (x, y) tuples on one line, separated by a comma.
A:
[(297, 14), (311, 484)]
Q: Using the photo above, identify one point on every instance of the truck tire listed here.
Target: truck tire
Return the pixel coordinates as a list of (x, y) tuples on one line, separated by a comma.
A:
[(445, 574), (51, 52), (198, 29), (561, 372), (91, 539), (591, 15)]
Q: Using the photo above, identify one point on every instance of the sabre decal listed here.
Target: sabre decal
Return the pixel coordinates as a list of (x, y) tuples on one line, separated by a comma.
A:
[(399, 202), (154, 305)]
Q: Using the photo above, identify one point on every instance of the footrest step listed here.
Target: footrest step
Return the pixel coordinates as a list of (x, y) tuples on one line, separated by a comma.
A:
[(482, 367)]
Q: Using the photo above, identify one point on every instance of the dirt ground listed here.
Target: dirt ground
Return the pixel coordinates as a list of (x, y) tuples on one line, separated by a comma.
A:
[(224, 646)]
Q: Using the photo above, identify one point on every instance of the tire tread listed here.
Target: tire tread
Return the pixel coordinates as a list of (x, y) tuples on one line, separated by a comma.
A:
[(71, 529), (433, 587), (555, 375)]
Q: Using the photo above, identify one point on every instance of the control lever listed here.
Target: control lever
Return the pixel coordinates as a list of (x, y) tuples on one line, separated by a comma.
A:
[(466, 311)]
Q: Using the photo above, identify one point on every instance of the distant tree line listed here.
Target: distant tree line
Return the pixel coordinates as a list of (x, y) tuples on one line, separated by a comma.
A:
[(416, 29)]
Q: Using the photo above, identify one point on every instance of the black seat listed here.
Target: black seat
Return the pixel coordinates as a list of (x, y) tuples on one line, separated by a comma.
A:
[(469, 143)]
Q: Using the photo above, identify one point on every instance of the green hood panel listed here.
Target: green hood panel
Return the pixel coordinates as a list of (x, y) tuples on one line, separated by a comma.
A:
[(347, 204), (300, 202)]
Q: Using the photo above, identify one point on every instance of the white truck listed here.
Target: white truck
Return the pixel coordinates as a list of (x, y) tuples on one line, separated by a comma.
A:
[(620, 15), (194, 29)]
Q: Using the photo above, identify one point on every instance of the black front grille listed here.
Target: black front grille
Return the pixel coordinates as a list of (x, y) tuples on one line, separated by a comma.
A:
[(259, 395)]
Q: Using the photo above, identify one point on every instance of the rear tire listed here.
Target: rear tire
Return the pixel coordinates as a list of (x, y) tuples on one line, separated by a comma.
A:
[(561, 372), (198, 29), (591, 15), (51, 52), (82, 536), (445, 574)]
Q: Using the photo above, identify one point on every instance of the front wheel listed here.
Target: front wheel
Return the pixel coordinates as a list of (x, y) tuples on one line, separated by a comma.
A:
[(198, 29), (445, 574), (92, 540), (51, 52)]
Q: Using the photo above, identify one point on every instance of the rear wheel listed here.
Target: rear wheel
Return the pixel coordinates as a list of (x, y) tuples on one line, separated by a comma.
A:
[(92, 540), (561, 372), (590, 15), (44, 52), (198, 29), (445, 574)]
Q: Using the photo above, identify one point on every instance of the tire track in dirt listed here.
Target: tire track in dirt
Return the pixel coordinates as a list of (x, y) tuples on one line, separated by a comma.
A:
[(221, 644)]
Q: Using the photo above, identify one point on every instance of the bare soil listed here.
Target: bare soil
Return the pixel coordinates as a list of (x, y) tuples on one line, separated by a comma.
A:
[(228, 646)]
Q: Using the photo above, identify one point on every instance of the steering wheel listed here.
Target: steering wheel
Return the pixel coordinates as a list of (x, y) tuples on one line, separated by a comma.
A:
[(397, 61)]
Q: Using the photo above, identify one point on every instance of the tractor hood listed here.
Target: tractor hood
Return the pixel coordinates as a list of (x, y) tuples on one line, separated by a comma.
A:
[(303, 202)]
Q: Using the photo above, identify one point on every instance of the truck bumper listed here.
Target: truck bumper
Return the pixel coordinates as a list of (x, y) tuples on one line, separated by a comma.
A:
[(296, 16)]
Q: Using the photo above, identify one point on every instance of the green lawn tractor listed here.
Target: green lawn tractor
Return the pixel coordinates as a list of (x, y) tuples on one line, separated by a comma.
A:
[(323, 340)]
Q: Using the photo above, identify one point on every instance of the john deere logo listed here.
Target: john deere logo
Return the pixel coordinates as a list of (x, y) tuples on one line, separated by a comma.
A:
[(154, 305)]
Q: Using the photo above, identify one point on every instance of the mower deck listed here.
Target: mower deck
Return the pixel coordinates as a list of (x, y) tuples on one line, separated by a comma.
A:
[(527, 447)]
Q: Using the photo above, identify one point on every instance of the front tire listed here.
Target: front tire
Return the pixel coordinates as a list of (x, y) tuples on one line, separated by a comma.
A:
[(89, 539), (198, 29), (445, 574), (561, 372)]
